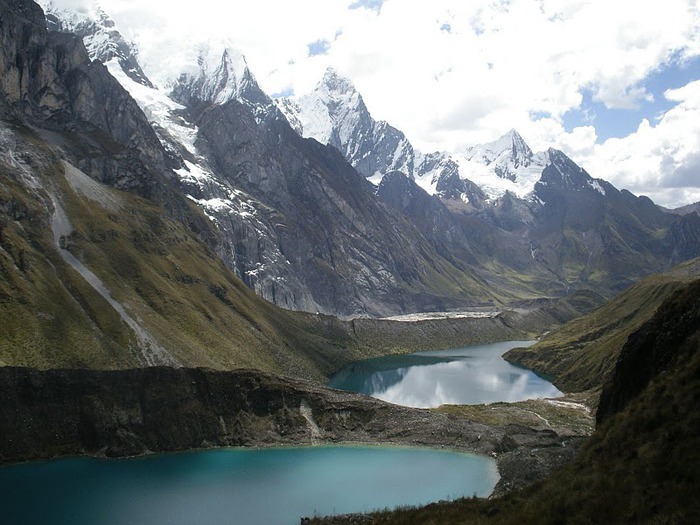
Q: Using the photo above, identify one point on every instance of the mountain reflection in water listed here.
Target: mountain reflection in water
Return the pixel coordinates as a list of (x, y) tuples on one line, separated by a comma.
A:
[(470, 375)]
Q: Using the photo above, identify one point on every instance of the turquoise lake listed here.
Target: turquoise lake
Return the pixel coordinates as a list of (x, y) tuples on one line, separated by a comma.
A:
[(237, 486), (461, 376)]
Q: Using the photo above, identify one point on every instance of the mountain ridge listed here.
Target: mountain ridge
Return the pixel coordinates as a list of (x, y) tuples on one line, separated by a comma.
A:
[(571, 225), (538, 228), (214, 192)]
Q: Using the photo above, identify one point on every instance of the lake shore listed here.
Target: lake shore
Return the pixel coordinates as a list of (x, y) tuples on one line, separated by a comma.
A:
[(54, 413)]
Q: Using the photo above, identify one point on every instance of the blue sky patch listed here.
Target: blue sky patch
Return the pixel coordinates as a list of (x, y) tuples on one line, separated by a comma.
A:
[(286, 92), (622, 122), (320, 47), (372, 5)]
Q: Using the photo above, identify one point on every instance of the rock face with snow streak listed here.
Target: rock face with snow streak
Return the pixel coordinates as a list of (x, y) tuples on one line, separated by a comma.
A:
[(101, 38), (492, 223), (50, 77), (354, 254)]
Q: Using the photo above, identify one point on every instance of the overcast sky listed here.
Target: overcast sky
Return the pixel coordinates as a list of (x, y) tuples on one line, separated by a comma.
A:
[(613, 83)]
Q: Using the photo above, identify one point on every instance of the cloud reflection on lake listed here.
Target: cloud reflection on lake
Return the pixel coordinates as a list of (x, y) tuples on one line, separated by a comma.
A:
[(470, 375)]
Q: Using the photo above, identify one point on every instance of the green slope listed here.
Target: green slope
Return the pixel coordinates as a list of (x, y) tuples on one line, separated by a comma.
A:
[(581, 354), (154, 266)]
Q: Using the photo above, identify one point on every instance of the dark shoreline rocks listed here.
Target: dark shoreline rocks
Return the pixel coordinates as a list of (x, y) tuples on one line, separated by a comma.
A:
[(53, 413)]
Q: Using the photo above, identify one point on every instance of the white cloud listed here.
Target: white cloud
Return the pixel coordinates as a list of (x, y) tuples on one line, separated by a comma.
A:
[(659, 160), (502, 64)]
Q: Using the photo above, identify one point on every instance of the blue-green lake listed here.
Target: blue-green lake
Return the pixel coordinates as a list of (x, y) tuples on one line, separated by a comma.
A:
[(461, 376), (237, 486)]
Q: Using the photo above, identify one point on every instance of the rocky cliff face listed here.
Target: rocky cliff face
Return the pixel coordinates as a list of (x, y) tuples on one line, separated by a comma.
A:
[(133, 412), (660, 345), (682, 240), (50, 79), (449, 235), (163, 409), (352, 253)]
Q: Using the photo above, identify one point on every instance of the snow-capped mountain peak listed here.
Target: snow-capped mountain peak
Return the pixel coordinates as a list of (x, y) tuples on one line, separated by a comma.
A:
[(334, 113), (334, 83), (218, 74), (101, 37), (506, 164), (331, 111), (509, 153)]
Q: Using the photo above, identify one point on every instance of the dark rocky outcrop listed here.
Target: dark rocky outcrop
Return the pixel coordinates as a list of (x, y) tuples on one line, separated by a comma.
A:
[(48, 80), (653, 349), (682, 240), (430, 215), (50, 77)]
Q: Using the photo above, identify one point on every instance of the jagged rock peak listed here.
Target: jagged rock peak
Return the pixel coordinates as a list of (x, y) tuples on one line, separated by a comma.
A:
[(334, 113), (511, 146), (218, 73), (100, 35), (519, 147), (338, 96), (332, 81), (570, 173)]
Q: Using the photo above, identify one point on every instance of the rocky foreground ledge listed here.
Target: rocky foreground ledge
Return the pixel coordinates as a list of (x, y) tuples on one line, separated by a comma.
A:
[(46, 414)]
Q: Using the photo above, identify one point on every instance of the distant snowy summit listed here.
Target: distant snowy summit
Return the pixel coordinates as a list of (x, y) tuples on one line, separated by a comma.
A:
[(334, 113), (506, 164), (217, 74), (508, 154)]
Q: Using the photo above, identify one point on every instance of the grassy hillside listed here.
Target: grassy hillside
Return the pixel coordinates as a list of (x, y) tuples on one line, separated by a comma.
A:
[(168, 281), (153, 265), (581, 354)]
